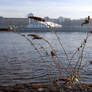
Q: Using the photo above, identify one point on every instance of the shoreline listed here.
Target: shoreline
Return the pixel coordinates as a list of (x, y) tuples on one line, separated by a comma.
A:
[(28, 87)]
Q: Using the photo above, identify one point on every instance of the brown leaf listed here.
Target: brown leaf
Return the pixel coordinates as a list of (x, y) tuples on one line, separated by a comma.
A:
[(53, 53), (35, 36)]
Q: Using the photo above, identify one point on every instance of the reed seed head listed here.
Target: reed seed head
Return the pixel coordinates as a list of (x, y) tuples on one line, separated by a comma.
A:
[(87, 21), (85, 41), (78, 49), (35, 36), (53, 53), (37, 18)]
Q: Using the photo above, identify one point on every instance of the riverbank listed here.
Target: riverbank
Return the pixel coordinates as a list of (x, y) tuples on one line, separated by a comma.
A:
[(62, 29), (36, 88)]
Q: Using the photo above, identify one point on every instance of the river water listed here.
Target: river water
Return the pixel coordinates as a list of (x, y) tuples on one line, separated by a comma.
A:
[(20, 62)]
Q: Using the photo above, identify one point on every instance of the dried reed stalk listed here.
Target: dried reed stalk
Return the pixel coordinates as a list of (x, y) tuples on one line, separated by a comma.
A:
[(73, 73)]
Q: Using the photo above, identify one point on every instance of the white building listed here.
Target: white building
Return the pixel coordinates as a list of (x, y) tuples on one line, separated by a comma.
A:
[(37, 24)]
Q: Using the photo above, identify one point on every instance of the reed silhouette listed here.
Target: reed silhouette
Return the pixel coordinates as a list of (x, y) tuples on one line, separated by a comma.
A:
[(70, 74)]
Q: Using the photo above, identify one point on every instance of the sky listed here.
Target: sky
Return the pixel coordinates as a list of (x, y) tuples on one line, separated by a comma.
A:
[(73, 9)]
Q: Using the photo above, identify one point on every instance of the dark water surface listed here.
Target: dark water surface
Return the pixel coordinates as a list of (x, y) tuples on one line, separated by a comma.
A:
[(20, 63)]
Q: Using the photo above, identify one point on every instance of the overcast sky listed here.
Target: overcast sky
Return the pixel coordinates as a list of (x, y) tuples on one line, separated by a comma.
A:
[(52, 8)]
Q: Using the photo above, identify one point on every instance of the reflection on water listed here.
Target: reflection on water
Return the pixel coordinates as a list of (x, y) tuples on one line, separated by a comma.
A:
[(19, 62)]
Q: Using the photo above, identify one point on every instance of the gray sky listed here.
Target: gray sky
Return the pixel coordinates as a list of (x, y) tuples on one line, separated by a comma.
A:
[(52, 8)]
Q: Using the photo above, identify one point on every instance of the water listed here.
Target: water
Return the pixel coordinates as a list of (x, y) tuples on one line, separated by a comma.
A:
[(20, 63)]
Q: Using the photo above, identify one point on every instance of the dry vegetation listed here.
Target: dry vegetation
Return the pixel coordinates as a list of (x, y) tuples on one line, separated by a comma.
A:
[(72, 74)]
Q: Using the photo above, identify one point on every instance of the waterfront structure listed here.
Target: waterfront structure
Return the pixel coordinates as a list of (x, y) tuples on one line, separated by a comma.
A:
[(30, 20), (6, 22), (60, 24), (37, 24)]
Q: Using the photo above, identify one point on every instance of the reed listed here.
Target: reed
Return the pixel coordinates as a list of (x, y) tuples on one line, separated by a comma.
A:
[(70, 74)]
